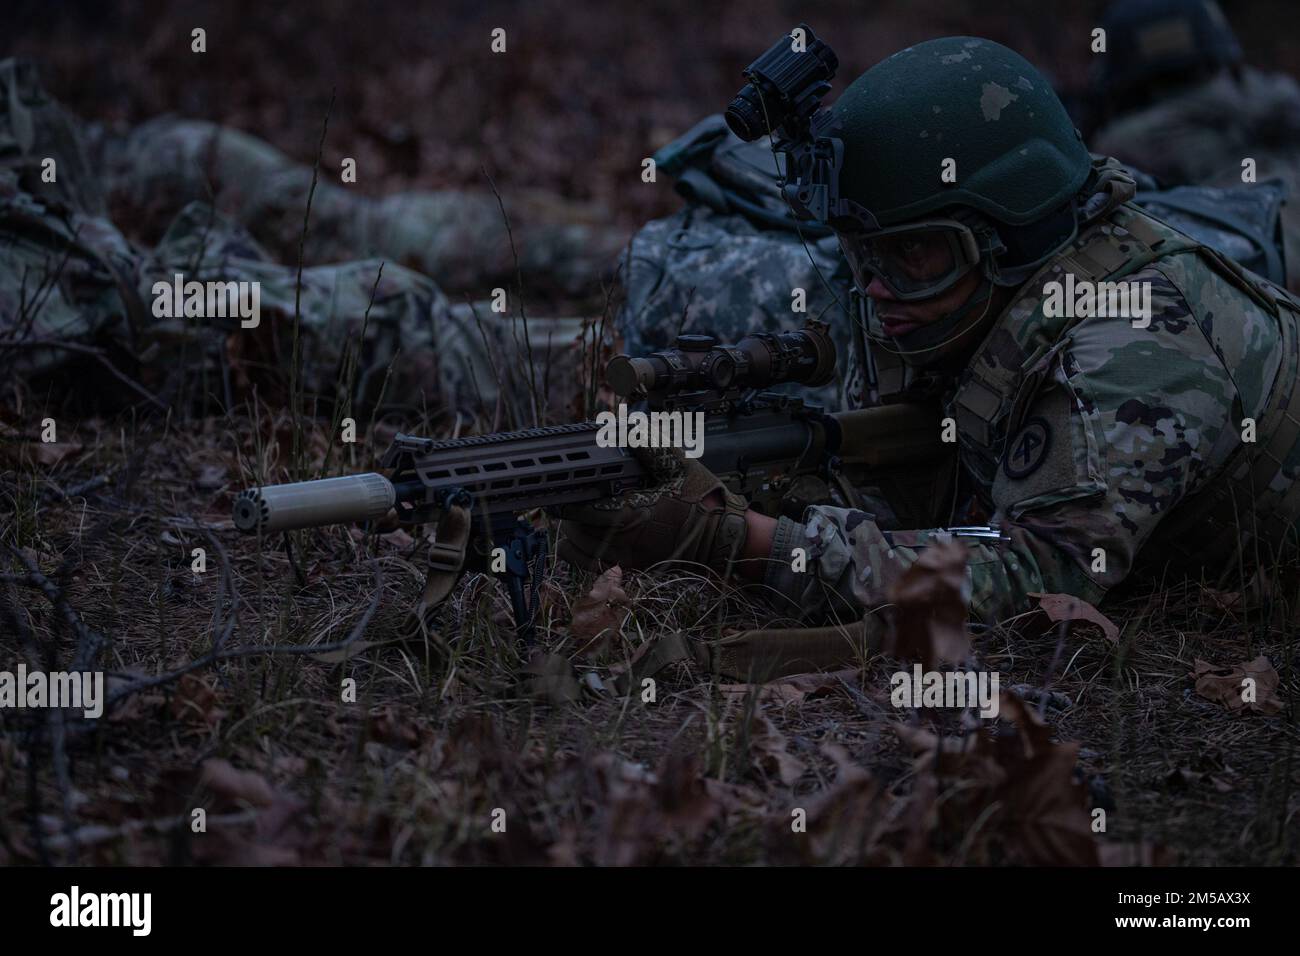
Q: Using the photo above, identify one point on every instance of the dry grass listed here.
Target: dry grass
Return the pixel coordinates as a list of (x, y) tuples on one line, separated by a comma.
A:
[(413, 771)]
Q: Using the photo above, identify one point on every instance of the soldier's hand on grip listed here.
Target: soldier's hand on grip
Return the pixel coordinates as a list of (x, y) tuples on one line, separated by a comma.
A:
[(689, 518)]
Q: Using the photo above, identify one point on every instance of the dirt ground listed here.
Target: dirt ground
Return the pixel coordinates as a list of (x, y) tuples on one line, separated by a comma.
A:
[(221, 709), (220, 704)]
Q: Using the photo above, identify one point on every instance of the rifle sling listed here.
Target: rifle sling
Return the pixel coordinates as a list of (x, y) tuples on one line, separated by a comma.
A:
[(446, 562), (760, 655), (768, 653)]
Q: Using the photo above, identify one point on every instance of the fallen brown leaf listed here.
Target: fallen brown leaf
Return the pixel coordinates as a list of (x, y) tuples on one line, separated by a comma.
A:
[(930, 607), (399, 539), (736, 798), (137, 706), (195, 702), (643, 811), (1224, 685), (291, 765), (769, 751), (550, 677), (1047, 820), (780, 693), (275, 841), (1183, 778), (820, 684), (395, 728), (1067, 607), (598, 618), (1035, 735), (684, 800), (969, 756), (1223, 600), (238, 786), (845, 821), (51, 453), (1039, 809)]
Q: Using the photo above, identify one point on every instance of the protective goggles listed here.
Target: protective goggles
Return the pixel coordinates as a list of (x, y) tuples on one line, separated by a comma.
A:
[(919, 260)]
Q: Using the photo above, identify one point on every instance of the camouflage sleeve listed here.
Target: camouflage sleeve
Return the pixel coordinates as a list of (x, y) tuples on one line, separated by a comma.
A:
[(1125, 423)]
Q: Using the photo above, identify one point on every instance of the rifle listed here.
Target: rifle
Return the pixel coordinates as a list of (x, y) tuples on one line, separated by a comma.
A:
[(755, 440)]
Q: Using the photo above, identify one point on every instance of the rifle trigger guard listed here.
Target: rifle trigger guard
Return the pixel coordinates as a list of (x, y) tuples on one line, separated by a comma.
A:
[(454, 498)]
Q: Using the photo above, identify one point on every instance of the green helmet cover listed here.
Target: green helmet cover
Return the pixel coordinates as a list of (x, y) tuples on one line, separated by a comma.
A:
[(1018, 156)]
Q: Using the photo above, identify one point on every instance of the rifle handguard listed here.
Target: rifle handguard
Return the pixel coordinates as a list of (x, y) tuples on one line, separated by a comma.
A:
[(884, 436)]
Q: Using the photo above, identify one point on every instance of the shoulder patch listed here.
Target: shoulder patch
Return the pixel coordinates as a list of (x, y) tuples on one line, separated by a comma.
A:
[(1027, 451)]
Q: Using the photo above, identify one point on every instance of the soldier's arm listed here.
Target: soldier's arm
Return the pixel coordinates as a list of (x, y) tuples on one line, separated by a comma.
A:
[(1127, 422)]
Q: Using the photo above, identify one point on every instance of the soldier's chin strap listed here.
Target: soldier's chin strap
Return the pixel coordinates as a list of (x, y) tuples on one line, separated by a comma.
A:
[(936, 336)]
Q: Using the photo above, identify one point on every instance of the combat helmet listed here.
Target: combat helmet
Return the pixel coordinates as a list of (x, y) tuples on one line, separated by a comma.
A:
[(948, 156), (953, 124)]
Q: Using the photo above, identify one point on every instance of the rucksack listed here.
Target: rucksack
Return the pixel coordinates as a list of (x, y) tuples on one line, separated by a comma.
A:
[(1243, 222), (734, 259)]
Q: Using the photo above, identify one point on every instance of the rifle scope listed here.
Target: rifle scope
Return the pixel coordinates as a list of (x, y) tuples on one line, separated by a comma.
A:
[(699, 363)]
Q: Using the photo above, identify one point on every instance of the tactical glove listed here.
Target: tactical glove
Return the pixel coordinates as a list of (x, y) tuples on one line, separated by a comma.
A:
[(688, 518)]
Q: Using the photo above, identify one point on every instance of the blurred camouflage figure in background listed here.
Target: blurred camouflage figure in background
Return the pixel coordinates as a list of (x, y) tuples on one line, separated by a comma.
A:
[(457, 237), (1173, 97), (74, 287)]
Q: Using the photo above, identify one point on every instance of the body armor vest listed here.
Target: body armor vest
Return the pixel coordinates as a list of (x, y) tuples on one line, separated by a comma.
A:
[(1251, 504)]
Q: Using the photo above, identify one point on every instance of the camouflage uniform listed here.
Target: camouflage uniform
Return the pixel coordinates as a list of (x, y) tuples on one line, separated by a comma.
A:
[(1096, 449), (1138, 423), (728, 261), (1090, 448), (1202, 134), (1173, 97), (68, 274), (71, 278), (457, 237)]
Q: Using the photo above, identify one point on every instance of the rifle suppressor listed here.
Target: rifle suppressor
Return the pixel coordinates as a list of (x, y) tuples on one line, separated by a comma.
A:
[(307, 504)]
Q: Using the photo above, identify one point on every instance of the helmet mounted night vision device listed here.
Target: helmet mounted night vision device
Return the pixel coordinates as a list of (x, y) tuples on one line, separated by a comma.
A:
[(783, 98)]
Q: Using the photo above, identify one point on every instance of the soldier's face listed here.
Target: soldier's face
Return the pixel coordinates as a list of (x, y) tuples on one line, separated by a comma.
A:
[(897, 318)]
